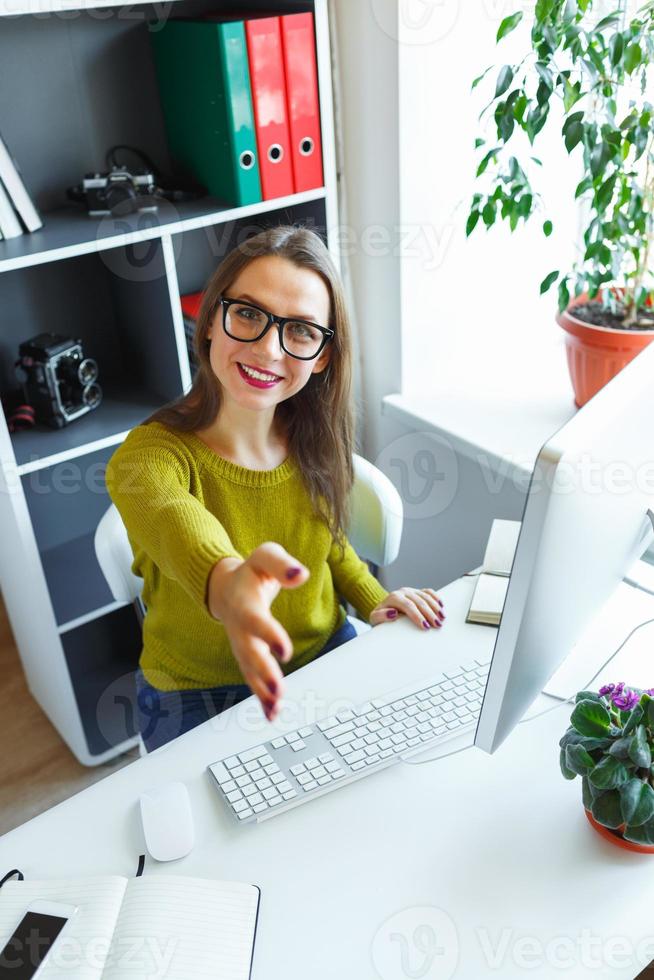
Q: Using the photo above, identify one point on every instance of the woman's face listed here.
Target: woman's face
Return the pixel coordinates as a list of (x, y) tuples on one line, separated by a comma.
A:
[(280, 287)]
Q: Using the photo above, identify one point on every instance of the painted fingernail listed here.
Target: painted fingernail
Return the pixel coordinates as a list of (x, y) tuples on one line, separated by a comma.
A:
[(278, 649), (391, 614), (293, 572), (425, 624), (272, 687)]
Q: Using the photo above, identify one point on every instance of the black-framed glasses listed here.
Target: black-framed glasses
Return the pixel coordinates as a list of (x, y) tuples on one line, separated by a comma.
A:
[(247, 322)]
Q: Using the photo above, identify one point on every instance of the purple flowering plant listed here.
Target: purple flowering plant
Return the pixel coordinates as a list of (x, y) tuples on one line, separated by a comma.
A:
[(610, 744)]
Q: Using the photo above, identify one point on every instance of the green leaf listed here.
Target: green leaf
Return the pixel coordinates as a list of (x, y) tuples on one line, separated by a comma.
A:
[(587, 696), (508, 24), (606, 809), (504, 79), (479, 78), (641, 835), (605, 193), (616, 47), (488, 213), (545, 75), (632, 58), (567, 773), (634, 718), (620, 749), (599, 158), (578, 760), (590, 717), (574, 134), (571, 94), (639, 750), (637, 802), (650, 714), (587, 793), (485, 160), (479, 142), (548, 280), (609, 773), (473, 218), (547, 228), (583, 186), (563, 294), (607, 21)]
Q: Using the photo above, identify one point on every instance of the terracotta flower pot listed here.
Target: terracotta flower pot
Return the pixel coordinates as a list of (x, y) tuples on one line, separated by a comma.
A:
[(597, 354), (615, 836)]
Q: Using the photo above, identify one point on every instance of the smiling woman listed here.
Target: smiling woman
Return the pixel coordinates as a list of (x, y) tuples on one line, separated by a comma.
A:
[(236, 496)]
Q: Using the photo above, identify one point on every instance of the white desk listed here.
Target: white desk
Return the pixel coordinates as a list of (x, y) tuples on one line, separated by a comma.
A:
[(494, 853)]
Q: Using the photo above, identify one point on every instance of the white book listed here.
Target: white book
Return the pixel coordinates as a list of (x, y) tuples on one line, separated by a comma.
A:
[(492, 584), (156, 925), (9, 224), (11, 178)]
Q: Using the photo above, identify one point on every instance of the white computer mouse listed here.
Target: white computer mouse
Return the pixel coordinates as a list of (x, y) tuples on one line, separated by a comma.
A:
[(167, 821)]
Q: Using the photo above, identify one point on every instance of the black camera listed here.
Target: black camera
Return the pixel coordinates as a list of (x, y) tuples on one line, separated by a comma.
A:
[(60, 382), (117, 190)]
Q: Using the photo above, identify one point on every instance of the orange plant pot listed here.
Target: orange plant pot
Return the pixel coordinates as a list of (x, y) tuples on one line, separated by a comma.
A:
[(615, 836), (597, 354)]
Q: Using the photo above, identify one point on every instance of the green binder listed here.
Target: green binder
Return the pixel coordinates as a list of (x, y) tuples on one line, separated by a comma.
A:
[(204, 81)]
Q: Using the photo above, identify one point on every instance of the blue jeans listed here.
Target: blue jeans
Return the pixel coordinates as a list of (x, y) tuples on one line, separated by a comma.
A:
[(164, 715)]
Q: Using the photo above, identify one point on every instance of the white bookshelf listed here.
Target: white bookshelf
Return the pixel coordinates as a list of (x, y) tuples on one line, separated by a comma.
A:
[(115, 284)]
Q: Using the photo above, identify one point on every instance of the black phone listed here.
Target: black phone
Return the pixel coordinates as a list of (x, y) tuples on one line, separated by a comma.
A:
[(33, 939)]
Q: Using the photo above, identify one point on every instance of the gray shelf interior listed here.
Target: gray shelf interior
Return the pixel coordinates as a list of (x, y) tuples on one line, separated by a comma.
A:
[(66, 502), (119, 411), (199, 252), (97, 72), (102, 656), (118, 303)]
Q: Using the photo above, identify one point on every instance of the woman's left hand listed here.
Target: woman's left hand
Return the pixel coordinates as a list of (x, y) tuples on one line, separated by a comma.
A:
[(421, 605)]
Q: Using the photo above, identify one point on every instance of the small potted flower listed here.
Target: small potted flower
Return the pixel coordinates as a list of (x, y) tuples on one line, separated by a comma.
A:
[(610, 744)]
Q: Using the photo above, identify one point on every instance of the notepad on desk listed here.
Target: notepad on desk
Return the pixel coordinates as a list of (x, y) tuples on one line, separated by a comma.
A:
[(492, 584), (155, 925)]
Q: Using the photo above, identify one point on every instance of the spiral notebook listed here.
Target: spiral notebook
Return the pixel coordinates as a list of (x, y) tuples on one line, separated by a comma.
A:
[(150, 926)]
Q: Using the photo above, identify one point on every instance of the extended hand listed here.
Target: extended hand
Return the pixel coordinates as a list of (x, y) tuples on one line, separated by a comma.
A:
[(240, 595), (421, 605)]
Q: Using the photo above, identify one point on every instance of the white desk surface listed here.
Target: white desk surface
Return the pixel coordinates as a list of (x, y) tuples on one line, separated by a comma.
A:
[(474, 866)]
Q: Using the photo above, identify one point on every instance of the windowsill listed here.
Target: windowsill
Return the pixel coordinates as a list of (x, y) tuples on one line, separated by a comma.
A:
[(501, 427)]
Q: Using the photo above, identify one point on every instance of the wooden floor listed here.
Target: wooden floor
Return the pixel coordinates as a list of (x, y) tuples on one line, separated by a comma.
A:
[(37, 768)]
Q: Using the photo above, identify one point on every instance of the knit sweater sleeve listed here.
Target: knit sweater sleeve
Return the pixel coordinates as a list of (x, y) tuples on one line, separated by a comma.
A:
[(148, 481), (354, 581)]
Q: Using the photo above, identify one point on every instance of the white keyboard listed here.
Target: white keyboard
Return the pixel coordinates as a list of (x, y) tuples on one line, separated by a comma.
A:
[(311, 761)]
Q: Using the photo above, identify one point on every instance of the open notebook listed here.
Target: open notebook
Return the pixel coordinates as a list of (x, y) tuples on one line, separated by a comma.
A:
[(492, 584), (161, 926)]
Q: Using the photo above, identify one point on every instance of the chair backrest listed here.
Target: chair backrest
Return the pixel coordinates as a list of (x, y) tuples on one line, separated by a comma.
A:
[(375, 531)]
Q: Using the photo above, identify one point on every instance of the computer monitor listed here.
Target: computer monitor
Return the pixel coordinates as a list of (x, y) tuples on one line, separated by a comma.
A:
[(585, 523)]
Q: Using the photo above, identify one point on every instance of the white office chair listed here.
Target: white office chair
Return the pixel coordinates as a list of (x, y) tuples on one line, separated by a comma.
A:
[(375, 532)]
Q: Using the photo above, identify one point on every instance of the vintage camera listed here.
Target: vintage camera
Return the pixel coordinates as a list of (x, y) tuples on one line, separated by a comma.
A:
[(118, 190), (60, 382)]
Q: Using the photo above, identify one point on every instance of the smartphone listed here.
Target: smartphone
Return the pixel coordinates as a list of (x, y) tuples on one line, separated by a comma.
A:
[(33, 939)]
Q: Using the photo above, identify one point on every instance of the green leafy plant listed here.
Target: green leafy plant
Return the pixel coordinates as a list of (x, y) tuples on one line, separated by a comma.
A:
[(610, 744), (586, 64)]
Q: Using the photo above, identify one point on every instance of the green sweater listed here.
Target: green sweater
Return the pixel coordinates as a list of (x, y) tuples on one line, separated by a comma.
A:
[(185, 508)]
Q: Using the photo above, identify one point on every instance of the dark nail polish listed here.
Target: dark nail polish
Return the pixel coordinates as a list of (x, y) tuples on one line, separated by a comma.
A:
[(425, 624), (293, 572), (278, 649), (391, 614), (272, 687)]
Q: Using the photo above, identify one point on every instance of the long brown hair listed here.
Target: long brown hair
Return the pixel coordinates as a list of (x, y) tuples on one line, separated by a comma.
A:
[(319, 419)]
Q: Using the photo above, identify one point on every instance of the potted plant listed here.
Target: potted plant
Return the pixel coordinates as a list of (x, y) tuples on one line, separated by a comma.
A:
[(595, 67), (610, 744)]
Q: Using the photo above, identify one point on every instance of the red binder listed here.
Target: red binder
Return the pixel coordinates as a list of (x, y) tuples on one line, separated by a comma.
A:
[(302, 100), (266, 61)]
